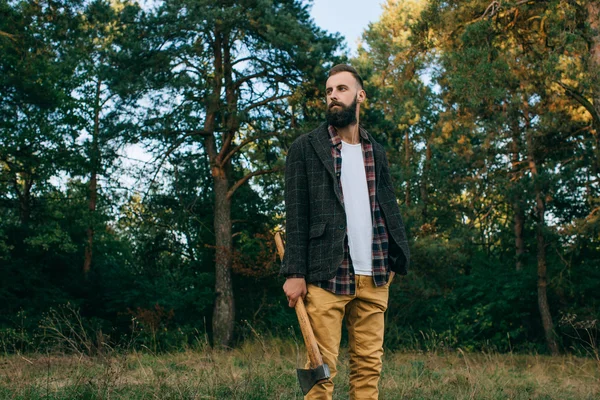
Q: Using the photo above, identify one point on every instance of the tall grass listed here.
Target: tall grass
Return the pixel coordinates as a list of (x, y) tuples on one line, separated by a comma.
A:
[(265, 369)]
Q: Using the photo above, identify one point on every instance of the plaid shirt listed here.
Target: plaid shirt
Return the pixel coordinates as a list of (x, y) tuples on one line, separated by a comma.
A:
[(344, 282)]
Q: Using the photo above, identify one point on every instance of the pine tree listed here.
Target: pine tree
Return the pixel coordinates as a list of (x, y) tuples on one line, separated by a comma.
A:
[(228, 71)]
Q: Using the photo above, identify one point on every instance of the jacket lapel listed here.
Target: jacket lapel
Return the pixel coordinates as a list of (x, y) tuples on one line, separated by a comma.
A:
[(319, 139), (379, 155)]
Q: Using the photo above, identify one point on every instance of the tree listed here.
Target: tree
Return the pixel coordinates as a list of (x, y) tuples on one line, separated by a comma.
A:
[(394, 68), (500, 74), (499, 68), (34, 72), (230, 68), (104, 96)]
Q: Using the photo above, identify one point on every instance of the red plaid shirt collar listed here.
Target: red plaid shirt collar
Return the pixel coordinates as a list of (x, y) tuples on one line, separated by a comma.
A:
[(336, 140)]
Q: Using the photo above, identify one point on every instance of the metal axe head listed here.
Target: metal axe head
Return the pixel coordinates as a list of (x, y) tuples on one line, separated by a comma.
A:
[(309, 377)]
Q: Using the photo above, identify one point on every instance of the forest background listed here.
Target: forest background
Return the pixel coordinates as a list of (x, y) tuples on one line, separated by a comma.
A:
[(489, 111)]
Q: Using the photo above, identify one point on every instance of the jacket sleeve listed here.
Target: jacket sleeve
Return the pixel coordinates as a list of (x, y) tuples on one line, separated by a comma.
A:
[(296, 210), (399, 253)]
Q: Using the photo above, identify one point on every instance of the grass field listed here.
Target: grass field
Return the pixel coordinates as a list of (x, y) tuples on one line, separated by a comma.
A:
[(266, 370)]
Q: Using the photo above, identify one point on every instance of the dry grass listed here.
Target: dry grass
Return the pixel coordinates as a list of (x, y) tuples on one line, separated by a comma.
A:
[(266, 370), (490, 376)]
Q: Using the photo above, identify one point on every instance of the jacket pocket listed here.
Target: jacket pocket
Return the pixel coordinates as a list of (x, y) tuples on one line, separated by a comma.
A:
[(317, 230), (319, 248)]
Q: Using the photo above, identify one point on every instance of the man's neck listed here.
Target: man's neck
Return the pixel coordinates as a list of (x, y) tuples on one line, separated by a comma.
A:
[(349, 134)]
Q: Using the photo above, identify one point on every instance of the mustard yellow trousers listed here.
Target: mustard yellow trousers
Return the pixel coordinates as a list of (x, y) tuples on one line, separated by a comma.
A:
[(364, 313)]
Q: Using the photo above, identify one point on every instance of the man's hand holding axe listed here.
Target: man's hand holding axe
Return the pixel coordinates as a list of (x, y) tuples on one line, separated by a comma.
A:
[(295, 290)]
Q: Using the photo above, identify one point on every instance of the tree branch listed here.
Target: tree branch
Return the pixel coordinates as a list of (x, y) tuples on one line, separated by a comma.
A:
[(495, 6), (254, 58), (492, 8), (581, 100), (244, 59), (186, 132), (8, 35), (241, 81), (266, 101), (170, 151), (247, 177), (245, 142)]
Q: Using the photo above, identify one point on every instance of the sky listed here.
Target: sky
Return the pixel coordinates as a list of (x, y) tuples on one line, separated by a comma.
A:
[(348, 17)]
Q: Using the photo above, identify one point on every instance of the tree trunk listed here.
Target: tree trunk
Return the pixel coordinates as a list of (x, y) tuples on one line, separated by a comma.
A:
[(407, 167), (424, 180), (540, 210), (519, 222), (226, 112), (24, 195), (93, 184), (224, 311), (93, 193), (593, 8), (518, 212), (542, 277)]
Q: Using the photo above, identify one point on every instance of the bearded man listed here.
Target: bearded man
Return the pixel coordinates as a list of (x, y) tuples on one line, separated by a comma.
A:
[(345, 235)]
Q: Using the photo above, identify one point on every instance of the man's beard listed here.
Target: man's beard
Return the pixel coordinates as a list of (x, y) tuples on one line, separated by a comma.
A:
[(342, 118)]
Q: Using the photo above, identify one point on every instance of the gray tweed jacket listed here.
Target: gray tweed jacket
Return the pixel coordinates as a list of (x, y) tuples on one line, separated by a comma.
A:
[(315, 216)]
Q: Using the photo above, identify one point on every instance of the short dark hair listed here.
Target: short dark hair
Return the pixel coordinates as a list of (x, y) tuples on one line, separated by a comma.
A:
[(336, 69)]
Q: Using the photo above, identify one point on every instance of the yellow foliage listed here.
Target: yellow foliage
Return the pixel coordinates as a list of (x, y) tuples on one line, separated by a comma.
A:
[(415, 119), (447, 128)]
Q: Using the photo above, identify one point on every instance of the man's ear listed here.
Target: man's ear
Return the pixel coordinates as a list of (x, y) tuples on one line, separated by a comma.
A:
[(361, 96)]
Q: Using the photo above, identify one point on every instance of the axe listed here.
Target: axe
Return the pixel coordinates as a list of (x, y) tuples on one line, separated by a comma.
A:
[(318, 371)]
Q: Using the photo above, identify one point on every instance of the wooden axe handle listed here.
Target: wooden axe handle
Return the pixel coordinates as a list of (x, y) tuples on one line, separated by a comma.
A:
[(314, 355)]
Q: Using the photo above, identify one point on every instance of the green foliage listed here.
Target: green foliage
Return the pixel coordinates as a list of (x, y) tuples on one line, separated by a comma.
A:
[(466, 97), (477, 103)]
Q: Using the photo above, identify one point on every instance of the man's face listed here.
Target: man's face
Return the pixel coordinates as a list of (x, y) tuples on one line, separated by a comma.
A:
[(343, 95)]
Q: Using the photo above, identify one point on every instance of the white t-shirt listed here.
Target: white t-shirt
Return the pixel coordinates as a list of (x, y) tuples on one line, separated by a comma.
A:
[(358, 208)]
